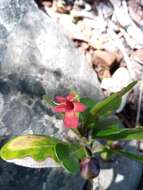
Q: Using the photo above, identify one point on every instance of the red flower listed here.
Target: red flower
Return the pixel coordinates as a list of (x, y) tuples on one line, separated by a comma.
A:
[(71, 106)]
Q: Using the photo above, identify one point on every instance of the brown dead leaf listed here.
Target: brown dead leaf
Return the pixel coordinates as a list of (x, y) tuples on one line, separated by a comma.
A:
[(106, 58), (104, 61), (105, 74), (136, 11), (85, 46), (138, 55), (102, 72), (137, 63), (61, 7)]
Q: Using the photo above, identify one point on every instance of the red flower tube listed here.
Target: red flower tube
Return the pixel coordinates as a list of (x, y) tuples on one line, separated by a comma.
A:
[(71, 106)]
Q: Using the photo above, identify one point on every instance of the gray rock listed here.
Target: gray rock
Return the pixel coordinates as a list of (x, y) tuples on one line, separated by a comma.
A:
[(60, 181), (17, 117), (11, 12), (19, 178), (38, 59), (35, 67)]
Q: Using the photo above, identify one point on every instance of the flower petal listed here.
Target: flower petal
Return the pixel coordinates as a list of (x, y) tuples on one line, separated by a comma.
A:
[(71, 120), (59, 108), (60, 99), (79, 107)]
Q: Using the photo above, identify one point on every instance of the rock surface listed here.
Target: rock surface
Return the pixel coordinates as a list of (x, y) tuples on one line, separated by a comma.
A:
[(36, 58)]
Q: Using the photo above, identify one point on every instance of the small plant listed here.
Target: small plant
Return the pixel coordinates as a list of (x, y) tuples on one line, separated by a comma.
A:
[(98, 136)]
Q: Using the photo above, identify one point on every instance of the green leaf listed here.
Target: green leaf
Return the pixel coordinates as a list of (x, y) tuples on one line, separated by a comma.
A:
[(40, 148), (120, 134), (106, 155), (111, 103), (48, 101), (86, 116), (110, 130), (78, 151), (129, 155), (105, 126), (106, 123), (70, 155), (127, 88), (88, 102), (36, 146), (70, 163), (107, 106)]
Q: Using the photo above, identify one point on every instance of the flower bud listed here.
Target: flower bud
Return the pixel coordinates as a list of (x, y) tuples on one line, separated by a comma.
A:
[(89, 168)]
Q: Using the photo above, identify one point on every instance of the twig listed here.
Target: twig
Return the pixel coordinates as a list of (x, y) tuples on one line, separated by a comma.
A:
[(139, 111), (139, 103)]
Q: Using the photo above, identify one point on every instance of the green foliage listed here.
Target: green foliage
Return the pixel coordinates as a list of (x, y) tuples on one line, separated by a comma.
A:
[(41, 147), (106, 123), (69, 156), (88, 102), (36, 146), (129, 155), (48, 100), (86, 116), (114, 133), (106, 155), (95, 124), (110, 104)]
